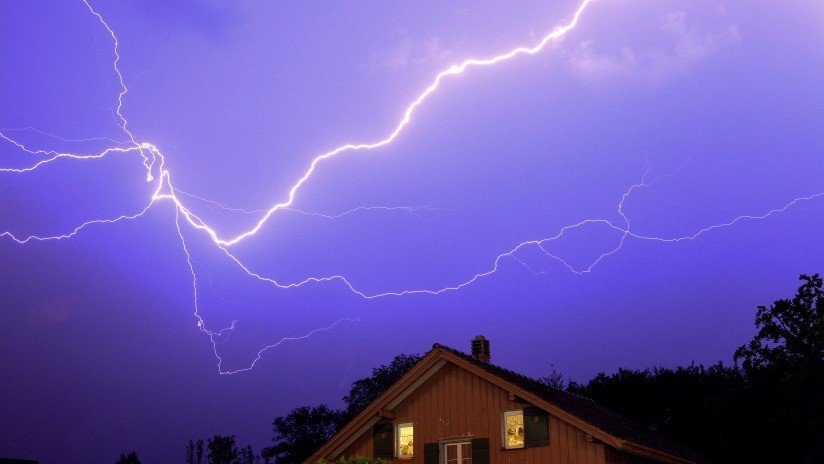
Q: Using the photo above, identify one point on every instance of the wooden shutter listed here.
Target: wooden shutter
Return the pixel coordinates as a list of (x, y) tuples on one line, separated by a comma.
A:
[(384, 441), (431, 453), (536, 427), (480, 451)]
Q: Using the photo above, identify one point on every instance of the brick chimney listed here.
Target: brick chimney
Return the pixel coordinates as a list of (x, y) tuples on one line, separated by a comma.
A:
[(480, 348)]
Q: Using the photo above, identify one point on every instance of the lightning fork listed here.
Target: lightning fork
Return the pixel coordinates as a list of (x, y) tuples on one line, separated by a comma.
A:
[(156, 170)]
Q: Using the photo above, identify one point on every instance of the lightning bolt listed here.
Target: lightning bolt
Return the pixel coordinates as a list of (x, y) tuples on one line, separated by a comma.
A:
[(454, 70), (413, 210), (201, 324), (164, 190), (64, 139)]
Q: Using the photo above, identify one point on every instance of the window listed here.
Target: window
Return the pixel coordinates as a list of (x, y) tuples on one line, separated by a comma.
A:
[(458, 453), (405, 445), (514, 429)]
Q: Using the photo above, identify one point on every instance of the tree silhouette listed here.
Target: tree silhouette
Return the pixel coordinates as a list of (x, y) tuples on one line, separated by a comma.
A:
[(770, 409), (199, 452), (693, 405), (247, 456), (222, 450), (554, 379), (190, 452), (784, 363), (721, 410), (131, 458), (365, 390), (789, 331), (301, 432)]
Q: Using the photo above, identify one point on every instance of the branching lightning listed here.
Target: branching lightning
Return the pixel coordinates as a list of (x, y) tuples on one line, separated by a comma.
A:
[(413, 210), (163, 189)]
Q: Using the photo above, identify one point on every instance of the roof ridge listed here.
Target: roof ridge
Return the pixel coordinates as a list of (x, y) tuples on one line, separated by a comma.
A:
[(583, 407)]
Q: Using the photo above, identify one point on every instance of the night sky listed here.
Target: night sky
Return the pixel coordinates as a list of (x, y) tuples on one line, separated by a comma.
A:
[(711, 109)]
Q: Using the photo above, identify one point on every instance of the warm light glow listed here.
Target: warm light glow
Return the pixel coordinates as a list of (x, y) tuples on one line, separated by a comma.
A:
[(405, 441), (514, 429)]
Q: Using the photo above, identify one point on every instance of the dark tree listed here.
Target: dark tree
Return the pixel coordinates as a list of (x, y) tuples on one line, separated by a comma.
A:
[(190, 452), (199, 452), (365, 390), (789, 331), (247, 456), (301, 432), (770, 410), (784, 363), (694, 405), (555, 379), (222, 450), (131, 458), (304, 430)]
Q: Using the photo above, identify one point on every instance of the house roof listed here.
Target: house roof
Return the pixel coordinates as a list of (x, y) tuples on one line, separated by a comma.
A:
[(585, 409), (603, 424)]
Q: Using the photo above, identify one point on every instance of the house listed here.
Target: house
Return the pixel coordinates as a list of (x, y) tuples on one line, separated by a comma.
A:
[(454, 408)]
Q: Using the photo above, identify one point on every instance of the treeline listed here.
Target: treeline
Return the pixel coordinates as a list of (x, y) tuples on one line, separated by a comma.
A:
[(217, 450), (766, 406), (301, 432), (298, 434)]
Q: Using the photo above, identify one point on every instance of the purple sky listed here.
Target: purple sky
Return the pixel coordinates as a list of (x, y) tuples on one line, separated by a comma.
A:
[(99, 349)]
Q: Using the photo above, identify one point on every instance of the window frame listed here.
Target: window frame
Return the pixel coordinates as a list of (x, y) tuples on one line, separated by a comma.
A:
[(512, 412), (398, 440), (458, 444)]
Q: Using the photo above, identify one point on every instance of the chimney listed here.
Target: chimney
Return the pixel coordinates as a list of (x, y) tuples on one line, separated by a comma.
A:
[(480, 348)]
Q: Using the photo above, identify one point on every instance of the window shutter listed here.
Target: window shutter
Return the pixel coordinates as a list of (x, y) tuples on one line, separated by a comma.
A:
[(384, 441), (431, 453), (480, 451), (536, 427)]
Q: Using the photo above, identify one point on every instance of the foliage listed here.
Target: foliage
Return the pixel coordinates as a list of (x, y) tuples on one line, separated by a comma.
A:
[(301, 432), (691, 404), (365, 390), (247, 456), (222, 450), (784, 363), (789, 331), (555, 379), (199, 452), (131, 458), (769, 410)]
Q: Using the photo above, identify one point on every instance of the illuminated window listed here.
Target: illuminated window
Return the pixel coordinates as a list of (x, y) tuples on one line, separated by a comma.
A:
[(405, 445), (514, 429)]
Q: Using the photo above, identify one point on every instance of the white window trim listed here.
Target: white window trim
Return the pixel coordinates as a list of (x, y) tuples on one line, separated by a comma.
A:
[(458, 443), (398, 440), (513, 412)]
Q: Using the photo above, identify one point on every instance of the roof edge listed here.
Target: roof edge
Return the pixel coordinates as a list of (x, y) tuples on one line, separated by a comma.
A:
[(427, 362), (440, 352)]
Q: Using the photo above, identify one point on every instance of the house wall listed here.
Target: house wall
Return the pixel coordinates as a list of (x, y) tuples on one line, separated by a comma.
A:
[(454, 403)]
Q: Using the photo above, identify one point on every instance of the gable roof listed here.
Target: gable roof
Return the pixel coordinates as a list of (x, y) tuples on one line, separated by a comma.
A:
[(583, 413)]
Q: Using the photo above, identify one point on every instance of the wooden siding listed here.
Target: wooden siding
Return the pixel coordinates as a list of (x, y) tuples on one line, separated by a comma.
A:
[(454, 403)]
